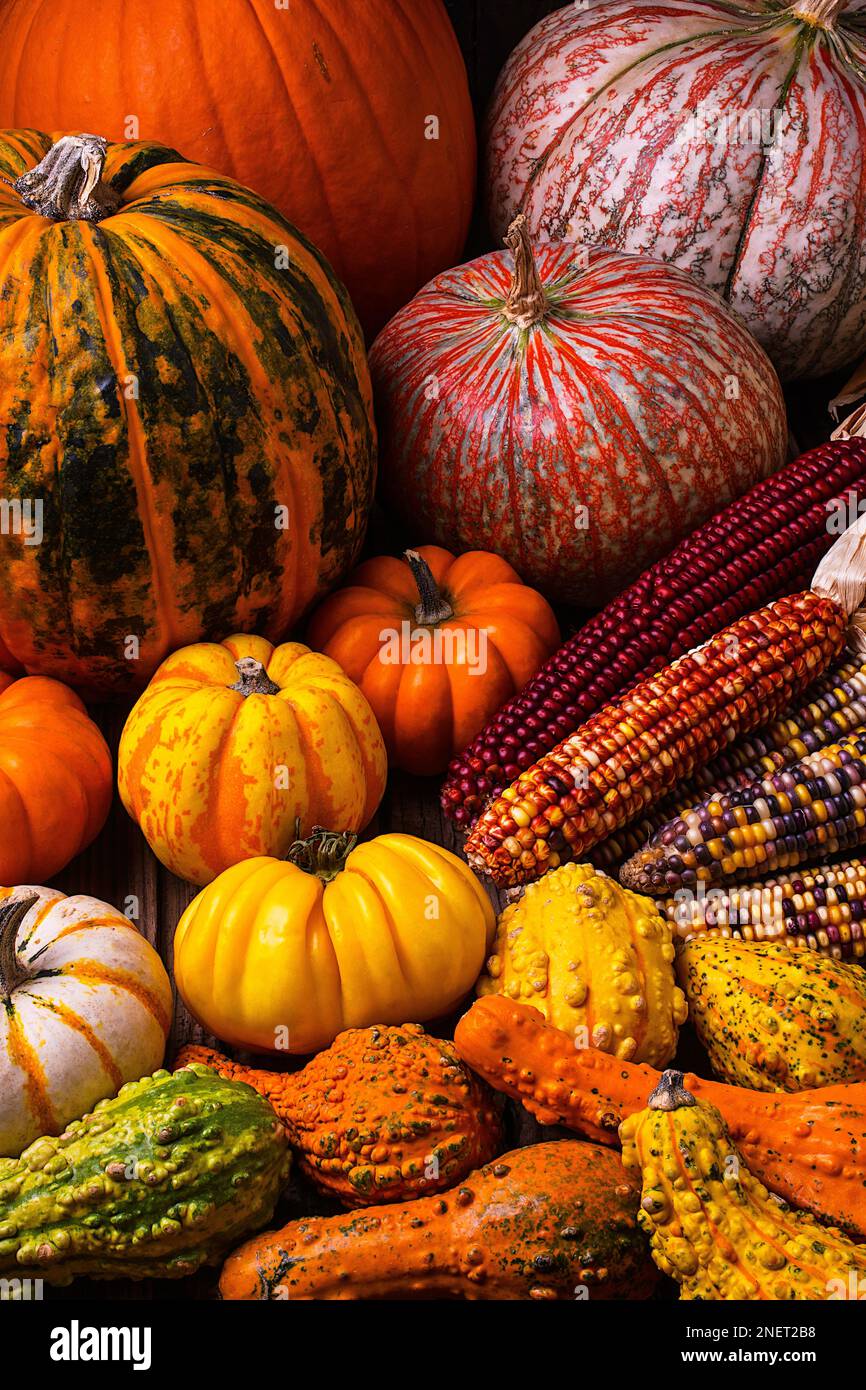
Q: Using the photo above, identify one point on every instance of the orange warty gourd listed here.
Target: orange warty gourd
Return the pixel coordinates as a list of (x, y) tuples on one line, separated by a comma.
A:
[(550, 1221), (437, 644), (233, 745), (382, 1115), (280, 957), (56, 778), (353, 118), (809, 1146)]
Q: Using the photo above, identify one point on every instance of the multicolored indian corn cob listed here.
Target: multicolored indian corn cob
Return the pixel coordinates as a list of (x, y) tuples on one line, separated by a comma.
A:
[(635, 749), (821, 909), (813, 809), (762, 546), (832, 708)]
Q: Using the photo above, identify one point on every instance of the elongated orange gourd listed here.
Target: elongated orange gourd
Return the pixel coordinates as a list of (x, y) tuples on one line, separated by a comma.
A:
[(809, 1146), (550, 1221), (233, 744)]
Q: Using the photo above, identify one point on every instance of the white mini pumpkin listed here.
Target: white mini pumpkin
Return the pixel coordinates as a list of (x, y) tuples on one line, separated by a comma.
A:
[(85, 1006)]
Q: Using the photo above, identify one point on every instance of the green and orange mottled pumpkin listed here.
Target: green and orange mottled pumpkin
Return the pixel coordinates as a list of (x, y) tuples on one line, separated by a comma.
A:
[(184, 391)]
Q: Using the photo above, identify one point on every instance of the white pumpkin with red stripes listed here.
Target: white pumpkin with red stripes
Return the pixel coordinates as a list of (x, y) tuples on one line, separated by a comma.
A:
[(85, 1006), (727, 138)]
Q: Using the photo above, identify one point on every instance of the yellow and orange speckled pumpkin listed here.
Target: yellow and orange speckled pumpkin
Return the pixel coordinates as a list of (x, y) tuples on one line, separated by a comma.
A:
[(233, 744), (184, 392)]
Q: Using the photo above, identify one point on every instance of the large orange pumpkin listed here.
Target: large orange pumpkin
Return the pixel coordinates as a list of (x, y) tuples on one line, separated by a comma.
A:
[(351, 116), (56, 778), (436, 644)]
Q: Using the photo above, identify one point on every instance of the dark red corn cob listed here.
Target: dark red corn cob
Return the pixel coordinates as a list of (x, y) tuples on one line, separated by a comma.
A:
[(764, 545)]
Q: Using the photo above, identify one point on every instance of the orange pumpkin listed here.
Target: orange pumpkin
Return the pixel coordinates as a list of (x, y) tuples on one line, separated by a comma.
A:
[(352, 117), (233, 744), (56, 778), (436, 644)]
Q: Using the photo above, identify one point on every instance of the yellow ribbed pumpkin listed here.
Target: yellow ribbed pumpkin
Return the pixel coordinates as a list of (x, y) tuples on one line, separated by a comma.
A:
[(712, 1225), (232, 744), (774, 1019), (281, 956), (595, 959)]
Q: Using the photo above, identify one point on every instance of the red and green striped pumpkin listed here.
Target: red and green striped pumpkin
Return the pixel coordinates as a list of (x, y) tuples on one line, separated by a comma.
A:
[(726, 136), (184, 390), (577, 419)]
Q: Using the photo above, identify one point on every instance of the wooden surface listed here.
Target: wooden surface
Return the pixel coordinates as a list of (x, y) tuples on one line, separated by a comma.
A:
[(120, 869)]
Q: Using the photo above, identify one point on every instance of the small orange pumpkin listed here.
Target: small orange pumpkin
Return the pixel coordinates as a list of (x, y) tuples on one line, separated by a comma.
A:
[(56, 778), (436, 644)]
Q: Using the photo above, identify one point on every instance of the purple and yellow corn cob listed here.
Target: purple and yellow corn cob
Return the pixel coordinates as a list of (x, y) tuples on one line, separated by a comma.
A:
[(821, 909), (634, 750), (833, 707), (806, 812)]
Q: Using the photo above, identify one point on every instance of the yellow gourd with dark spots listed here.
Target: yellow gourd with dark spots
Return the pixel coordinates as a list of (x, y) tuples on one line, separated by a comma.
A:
[(774, 1019), (595, 959), (713, 1227)]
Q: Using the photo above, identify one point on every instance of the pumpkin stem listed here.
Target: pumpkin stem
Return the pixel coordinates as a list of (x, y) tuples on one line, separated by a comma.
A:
[(12, 972), (433, 608), (820, 13), (323, 853), (67, 184), (254, 679), (671, 1093), (527, 301)]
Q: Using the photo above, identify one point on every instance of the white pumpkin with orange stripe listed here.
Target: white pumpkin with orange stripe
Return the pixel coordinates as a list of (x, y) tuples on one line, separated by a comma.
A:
[(85, 1006), (235, 744)]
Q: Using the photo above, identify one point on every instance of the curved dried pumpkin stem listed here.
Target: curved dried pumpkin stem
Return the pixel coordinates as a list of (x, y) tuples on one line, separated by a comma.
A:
[(12, 972), (671, 1093), (323, 853), (253, 679), (527, 301), (67, 184), (433, 608)]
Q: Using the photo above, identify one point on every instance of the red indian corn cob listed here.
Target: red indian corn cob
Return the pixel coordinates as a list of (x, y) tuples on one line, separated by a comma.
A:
[(813, 809), (817, 909), (635, 749), (832, 708), (764, 545)]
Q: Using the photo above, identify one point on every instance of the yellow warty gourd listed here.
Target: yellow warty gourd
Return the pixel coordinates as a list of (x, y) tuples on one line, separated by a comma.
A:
[(713, 1227), (595, 959), (773, 1019)]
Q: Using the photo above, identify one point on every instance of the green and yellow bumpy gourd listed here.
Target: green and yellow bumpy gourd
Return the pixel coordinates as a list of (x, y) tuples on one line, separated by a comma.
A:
[(591, 956), (155, 1182), (774, 1019), (713, 1226)]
